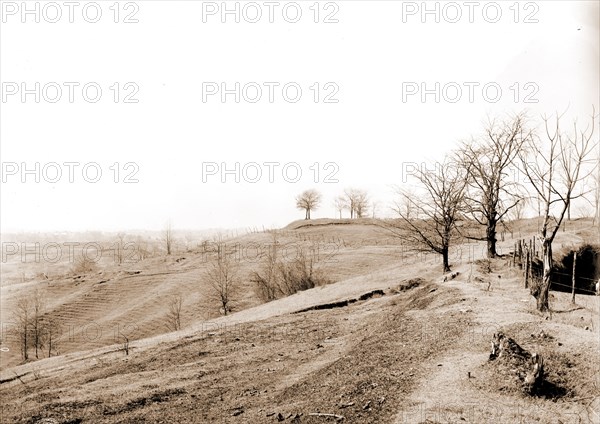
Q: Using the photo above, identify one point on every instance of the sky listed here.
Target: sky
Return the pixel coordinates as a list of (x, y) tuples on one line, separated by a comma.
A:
[(159, 120)]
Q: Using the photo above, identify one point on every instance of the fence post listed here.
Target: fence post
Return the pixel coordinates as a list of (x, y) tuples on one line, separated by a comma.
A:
[(514, 255), (573, 279), (531, 268), (532, 246), (526, 273)]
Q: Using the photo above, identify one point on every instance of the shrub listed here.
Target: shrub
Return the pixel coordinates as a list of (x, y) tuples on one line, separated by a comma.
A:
[(279, 278)]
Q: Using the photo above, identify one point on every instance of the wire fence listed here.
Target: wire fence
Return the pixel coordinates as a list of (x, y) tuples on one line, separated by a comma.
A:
[(571, 276), (578, 289)]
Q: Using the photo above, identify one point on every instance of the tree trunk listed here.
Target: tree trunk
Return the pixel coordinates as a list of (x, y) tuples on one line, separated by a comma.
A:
[(543, 287), (446, 263), (491, 239), (25, 343), (36, 331)]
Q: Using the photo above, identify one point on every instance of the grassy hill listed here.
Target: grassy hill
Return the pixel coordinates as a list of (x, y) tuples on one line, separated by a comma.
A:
[(416, 354), (132, 298)]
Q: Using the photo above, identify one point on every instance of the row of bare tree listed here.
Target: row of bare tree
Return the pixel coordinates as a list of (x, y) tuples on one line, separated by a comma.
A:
[(476, 184), (276, 277), (33, 328), (354, 200)]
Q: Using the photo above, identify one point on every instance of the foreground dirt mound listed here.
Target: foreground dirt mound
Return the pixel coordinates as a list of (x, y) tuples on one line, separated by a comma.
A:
[(516, 366), (409, 284)]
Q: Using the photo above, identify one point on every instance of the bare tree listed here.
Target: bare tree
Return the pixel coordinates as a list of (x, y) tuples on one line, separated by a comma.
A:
[(266, 278), (357, 201), (189, 242), (301, 273), (439, 209), (142, 249), (280, 277), (119, 256), (491, 193), (554, 169), (84, 265), (22, 317), (597, 193), (361, 204), (174, 313), (168, 237), (307, 201), (374, 208), (587, 207), (518, 210), (52, 333), (340, 203), (222, 278), (585, 211), (405, 203), (38, 330), (33, 329)]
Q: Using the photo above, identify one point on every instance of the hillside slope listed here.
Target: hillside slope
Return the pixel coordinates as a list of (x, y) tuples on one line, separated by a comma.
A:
[(403, 357), (132, 299), (414, 355)]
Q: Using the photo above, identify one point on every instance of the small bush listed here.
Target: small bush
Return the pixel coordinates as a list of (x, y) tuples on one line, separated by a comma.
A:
[(84, 265), (298, 275), (484, 266), (279, 278)]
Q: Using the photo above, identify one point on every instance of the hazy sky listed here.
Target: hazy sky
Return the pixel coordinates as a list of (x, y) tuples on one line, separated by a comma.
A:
[(180, 52)]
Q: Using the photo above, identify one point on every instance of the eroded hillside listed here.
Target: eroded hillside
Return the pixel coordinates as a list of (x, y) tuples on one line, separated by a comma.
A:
[(417, 354)]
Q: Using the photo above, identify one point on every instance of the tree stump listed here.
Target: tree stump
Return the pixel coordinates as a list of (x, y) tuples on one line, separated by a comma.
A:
[(515, 363)]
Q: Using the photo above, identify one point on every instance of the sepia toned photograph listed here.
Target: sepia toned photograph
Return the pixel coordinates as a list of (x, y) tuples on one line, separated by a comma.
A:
[(300, 212)]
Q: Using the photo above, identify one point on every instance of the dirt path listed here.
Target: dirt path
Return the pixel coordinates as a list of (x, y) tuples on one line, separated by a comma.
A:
[(451, 391)]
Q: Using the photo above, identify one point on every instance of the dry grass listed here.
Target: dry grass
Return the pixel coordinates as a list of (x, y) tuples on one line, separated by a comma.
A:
[(373, 361), (129, 299), (300, 363)]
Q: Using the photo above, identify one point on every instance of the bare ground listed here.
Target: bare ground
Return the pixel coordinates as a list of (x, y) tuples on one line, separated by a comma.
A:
[(413, 356), (400, 358)]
